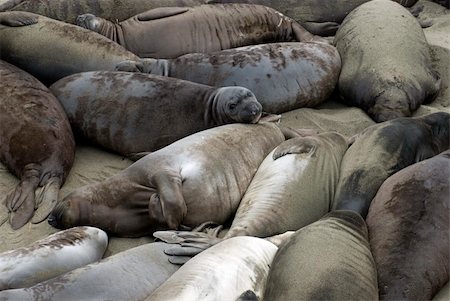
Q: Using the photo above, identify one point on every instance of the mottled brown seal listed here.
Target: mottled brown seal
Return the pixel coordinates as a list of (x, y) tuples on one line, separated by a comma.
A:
[(383, 149), (409, 228), (50, 49), (392, 82), (204, 28), (36, 144), (283, 76), (196, 179)]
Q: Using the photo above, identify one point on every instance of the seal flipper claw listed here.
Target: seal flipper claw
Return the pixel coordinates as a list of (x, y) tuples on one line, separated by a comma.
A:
[(46, 200)]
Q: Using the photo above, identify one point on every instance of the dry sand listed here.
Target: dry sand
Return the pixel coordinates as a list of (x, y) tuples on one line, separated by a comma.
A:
[(93, 164)]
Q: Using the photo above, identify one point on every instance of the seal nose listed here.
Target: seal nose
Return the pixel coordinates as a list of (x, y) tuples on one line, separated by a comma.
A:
[(52, 220)]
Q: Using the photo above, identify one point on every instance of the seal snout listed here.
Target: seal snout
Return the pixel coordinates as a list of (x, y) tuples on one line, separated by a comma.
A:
[(88, 21)]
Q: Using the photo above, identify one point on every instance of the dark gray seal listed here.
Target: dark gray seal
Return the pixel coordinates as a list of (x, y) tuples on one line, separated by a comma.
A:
[(50, 49), (283, 76), (409, 228), (197, 179), (204, 28), (388, 82), (383, 149), (36, 144), (133, 112)]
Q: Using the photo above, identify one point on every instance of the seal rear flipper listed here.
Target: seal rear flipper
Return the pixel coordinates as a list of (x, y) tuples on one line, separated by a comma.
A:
[(248, 296), (324, 29), (23, 214), (302, 35), (21, 202), (16, 19), (46, 200), (161, 12), (298, 145)]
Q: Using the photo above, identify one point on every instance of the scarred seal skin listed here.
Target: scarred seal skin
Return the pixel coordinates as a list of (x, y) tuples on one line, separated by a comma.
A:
[(47, 258), (129, 275), (204, 28), (51, 50), (383, 149), (36, 144), (327, 260), (283, 76), (409, 228), (197, 179), (392, 82), (133, 112)]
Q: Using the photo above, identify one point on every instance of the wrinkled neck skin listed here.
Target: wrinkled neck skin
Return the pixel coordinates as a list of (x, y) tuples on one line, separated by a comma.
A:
[(155, 66), (214, 111), (112, 31)]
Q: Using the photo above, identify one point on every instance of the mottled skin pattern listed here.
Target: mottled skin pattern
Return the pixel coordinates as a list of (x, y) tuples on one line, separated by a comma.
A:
[(409, 228), (205, 28), (50, 49), (36, 143), (129, 275), (392, 82), (50, 257), (327, 260), (199, 178), (383, 149), (283, 76), (68, 10), (133, 112)]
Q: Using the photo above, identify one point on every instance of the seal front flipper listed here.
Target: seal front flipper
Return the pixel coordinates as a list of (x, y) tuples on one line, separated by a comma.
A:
[(298, 145), (161, 12), (15, 19), (47, 199)]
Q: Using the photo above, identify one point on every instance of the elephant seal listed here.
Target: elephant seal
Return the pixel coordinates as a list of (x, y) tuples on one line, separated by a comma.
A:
[(409, 228), (134, 273), (393, 82), (327, 260), (283, 76), (204, 28), (223, 272), (293, 187), (383, 149), (134, 112), (55, 49), (47, 258), (199, 178), (36, 144)]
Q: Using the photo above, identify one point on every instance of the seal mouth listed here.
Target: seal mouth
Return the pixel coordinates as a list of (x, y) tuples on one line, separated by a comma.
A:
[(252, 113)]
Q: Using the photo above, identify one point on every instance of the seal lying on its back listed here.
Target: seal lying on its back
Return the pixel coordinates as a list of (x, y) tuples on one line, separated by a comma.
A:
[(196, 179), (57, 254), (327, 260), (132, 112), (409, 228), (130, 275), (169, 32), (383, 149), (36, 144), (50, 49), (391, 82), (283, 76)]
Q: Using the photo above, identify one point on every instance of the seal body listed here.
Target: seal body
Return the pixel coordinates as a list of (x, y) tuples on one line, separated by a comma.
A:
[(408, 224), (383, 149), (57, 254), (135, 273), (50, 49), (204, 28), (36, 144), (393, 82), (283, 76), (132, 112), (327, 260), (199, 178), (223, 272)]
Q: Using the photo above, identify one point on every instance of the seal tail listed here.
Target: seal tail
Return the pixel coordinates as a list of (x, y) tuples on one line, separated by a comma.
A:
[(46, 200), (20, 202)]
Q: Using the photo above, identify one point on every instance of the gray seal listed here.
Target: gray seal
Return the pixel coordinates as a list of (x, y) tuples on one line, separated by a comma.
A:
[(133, 113)]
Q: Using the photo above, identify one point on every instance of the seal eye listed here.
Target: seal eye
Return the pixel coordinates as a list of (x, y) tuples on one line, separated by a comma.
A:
[(232, 106)]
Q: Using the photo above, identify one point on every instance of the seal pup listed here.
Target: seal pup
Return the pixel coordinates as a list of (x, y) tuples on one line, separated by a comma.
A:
[(134, 112), (393, 82), (135, 273), (36, 144), (327, 260), (293, 187), (46, 258), (283, 76), (51, 50), (204, 28), (383, 149), (409, 228), (199, 178)]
